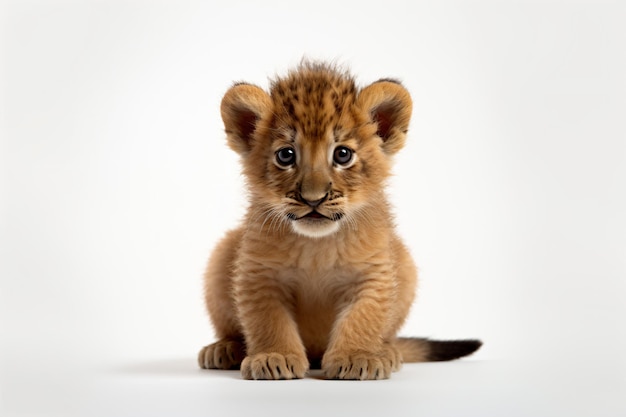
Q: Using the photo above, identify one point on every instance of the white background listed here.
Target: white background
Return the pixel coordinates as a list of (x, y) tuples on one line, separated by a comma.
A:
[(116, 182)]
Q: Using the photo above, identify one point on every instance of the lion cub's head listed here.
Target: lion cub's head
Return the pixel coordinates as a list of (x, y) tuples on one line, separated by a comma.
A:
[(316, 150)]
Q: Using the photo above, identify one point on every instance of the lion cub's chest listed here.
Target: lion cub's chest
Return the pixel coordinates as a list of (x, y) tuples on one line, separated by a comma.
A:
[(317, 270), (320, 285), (318, 297), (320, 276), (320, 281)]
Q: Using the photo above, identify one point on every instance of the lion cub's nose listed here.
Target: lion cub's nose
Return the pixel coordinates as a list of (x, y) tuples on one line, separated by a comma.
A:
[(313, 203)]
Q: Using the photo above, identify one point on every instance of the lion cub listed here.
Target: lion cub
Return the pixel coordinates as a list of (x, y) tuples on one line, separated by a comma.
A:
[(316, 275)]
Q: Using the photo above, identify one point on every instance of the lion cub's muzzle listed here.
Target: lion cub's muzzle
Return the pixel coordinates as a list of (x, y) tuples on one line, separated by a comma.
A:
[(317, 220)]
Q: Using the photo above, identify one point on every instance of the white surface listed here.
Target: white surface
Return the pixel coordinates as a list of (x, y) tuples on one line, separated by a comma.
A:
[(116, 182)]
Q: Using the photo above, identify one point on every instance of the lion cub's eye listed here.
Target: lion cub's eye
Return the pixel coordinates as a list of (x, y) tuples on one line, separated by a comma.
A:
[(342, 155), (286, 157)]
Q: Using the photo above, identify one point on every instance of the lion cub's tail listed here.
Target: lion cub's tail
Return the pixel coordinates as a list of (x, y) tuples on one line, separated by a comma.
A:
[(424, 350)]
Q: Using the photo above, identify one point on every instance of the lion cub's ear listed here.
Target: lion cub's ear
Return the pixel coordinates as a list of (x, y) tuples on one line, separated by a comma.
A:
[(242, 107), (389, 105)]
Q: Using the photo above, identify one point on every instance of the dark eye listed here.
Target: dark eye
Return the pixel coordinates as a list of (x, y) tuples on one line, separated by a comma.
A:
[(286, 156), (342, 155)]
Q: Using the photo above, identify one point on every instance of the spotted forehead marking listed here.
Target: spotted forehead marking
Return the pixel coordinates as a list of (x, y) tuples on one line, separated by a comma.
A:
[(312, 100)]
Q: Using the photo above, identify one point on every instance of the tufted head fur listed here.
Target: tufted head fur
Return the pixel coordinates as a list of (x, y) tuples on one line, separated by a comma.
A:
[(316, 149)]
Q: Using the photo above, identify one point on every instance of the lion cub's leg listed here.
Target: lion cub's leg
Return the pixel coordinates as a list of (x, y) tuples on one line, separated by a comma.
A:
[(274, 347), (360, 347), (229, 350)]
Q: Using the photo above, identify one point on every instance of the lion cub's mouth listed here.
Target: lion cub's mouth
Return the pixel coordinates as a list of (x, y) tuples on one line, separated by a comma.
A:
[(315, 224), (316, 215)]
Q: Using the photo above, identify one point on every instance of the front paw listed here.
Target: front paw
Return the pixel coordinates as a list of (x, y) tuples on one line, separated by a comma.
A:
[(361, 364), (274, 366)]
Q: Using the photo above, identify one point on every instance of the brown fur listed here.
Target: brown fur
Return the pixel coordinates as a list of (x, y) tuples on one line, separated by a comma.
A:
[(286, 290)]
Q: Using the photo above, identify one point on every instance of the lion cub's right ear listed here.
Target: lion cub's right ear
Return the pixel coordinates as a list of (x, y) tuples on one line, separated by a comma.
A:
[(242, 107)]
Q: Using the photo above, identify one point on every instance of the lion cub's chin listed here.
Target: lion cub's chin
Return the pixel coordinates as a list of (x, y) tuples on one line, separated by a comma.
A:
[(315, 228)]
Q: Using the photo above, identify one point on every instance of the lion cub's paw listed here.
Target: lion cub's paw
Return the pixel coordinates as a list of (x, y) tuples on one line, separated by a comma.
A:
[(362, 364), (274, 366), (223, 354)]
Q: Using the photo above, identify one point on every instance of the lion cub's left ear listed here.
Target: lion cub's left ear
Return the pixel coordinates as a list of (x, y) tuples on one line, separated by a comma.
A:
[(389, 105)]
